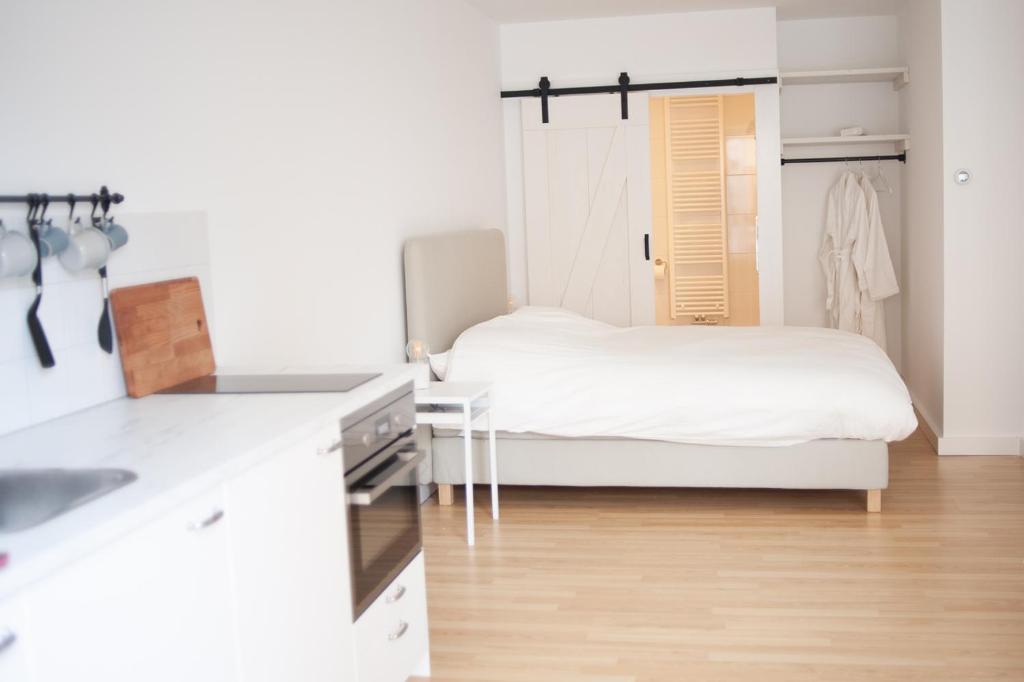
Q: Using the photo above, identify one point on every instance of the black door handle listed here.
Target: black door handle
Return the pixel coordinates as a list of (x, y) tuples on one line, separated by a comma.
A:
[(647, 246)]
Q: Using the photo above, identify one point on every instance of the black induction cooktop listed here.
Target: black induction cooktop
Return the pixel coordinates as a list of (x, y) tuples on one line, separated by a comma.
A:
[(272, 383)]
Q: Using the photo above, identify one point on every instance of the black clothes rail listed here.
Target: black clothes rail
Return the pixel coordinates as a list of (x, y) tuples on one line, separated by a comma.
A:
[(841, 159), (624, 86), (104, 195)]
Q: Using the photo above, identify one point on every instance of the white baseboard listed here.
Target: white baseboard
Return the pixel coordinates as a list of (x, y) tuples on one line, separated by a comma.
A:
[(965, 445), (979, 445), (928, 424), (927, 427)]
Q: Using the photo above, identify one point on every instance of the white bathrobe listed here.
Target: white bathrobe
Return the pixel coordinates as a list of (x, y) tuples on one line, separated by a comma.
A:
[(875, 274), (846, 218)]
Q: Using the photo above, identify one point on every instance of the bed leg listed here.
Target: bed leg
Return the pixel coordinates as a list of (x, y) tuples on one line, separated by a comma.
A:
[(445, 494), (874, 500)]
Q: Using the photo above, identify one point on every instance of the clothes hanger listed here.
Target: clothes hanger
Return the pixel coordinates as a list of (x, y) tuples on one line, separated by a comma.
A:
[(886, 187), (71, 214)]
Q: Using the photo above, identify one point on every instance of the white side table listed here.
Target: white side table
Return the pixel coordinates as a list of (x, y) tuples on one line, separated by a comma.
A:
[(460, 404)]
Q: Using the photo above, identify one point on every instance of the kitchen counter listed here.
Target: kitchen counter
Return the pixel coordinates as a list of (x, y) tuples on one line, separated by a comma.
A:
[(178, 445)]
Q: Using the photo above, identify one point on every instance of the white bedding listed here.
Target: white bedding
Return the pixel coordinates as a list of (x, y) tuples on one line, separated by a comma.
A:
[(558, 373)]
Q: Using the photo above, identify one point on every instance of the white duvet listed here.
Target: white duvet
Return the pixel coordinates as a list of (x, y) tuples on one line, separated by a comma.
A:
[(558, 373)]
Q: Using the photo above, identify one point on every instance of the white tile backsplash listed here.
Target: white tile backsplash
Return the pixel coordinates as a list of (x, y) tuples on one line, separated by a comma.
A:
[(161, 246)]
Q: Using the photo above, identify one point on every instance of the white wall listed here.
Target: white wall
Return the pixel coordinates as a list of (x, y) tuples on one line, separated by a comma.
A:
[(820, 110), (693, 45), (922, 280), (983, 109), (649, 47), (317, 134), (963, 318)]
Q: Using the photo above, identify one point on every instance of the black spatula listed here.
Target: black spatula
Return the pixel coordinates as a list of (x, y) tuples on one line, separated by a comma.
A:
[(105, 333), (35, 327)]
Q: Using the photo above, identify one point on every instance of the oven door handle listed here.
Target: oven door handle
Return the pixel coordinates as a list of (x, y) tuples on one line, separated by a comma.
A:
[(408, 461)]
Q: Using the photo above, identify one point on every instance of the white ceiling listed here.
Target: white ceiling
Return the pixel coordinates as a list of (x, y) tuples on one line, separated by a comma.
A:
[(514, 11)]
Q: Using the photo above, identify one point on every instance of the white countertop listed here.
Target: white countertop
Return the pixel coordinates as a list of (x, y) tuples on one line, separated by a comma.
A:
[(178, 445)]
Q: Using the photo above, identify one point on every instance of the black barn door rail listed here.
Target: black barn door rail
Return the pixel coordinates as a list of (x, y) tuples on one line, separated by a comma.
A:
[(624, 86)]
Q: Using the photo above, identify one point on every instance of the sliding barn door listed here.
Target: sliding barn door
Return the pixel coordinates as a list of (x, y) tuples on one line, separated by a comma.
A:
[(588, 207)]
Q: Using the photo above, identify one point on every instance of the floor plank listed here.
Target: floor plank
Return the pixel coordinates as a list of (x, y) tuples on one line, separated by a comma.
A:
[(636, 585)]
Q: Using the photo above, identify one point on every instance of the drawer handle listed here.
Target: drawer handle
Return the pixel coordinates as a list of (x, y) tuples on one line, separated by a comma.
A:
[(397, 634), (396, 595), (8, 638), (333, 447), (213, 518)]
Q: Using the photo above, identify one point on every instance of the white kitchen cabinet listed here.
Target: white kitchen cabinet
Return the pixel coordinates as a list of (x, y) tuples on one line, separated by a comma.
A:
[(232, 560), (13, 652), (392, 641), (154, 606), (289, 555)]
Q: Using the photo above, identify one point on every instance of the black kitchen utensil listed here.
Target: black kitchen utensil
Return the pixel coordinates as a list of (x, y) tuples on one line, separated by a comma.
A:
[(104, 331), (35, 327)]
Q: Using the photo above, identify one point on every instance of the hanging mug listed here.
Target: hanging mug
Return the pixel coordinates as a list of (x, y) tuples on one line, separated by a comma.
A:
[(88, 249), (116, 234), (52, 239), (18, 255)]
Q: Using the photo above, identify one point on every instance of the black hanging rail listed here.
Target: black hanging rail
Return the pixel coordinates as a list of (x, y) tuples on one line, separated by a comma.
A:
[(842, 159), (623, 86), (40, 197)]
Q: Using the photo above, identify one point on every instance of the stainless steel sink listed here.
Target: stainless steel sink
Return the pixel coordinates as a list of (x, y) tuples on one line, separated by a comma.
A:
[(29, 497)]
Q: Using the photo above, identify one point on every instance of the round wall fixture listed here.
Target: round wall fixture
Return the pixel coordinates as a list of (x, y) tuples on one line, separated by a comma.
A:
[(962, 176)]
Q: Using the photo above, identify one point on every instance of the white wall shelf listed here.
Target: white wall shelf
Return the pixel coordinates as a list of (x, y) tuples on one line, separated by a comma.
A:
[(901, 141), (898, 75)]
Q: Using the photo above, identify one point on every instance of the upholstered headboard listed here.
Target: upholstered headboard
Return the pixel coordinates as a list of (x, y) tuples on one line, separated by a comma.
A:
[(453, 281)]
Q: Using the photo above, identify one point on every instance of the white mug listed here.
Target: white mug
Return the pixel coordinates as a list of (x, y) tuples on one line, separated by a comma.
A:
[(88, 249), (18, 255)]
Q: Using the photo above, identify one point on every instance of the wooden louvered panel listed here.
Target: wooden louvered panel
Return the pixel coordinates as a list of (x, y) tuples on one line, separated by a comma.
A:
[(701, 295), (694, 101), (695, 172)]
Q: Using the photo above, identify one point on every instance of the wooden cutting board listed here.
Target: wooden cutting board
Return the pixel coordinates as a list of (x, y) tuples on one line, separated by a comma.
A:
[(162, 334)]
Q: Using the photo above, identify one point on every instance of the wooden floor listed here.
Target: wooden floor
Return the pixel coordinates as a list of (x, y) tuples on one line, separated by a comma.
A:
[(655, 584)]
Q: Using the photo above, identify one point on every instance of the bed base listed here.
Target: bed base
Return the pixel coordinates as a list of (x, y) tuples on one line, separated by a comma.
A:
[(446, 497), (528, 459)]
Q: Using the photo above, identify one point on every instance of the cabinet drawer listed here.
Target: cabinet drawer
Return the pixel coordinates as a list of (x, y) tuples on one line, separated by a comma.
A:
[(392, 642)]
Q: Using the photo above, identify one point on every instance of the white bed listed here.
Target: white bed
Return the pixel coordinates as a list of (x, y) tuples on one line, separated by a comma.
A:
[(582, 403), (558, 373)]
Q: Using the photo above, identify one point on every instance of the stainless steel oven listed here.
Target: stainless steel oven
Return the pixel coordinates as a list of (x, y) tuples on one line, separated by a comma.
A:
[(381, 459)]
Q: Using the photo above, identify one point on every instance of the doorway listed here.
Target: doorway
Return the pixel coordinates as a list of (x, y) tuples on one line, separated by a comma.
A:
[(703, 154)]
